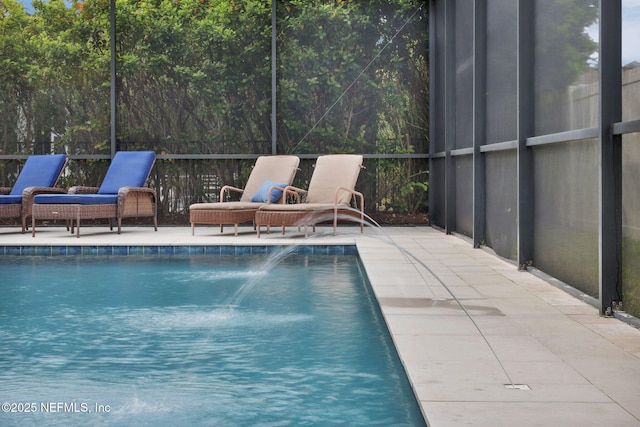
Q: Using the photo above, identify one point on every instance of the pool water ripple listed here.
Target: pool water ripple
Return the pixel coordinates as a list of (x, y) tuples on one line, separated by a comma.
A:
[(160, 343)]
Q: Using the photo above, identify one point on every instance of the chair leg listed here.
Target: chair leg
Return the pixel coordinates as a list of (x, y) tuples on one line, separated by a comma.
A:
[(235, 229), (33, 227), (193, 229)]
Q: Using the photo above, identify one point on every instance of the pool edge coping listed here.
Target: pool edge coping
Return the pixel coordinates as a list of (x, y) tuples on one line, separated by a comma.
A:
[(171, 249)]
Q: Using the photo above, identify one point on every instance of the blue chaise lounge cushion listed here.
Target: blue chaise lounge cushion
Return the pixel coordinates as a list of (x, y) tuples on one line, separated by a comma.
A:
[(128, 169), (39, 171), (77, 199), (10, 200)]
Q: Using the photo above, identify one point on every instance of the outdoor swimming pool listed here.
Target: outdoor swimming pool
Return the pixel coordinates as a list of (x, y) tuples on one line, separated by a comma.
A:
[(218, 340)]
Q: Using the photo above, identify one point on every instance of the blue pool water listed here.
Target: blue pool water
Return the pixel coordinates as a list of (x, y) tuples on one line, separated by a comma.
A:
[(198, 340)]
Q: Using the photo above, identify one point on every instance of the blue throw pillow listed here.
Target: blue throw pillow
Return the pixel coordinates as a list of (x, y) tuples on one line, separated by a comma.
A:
[(263, 192)]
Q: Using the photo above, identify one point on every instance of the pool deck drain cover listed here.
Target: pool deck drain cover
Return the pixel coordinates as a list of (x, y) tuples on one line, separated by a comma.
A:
[(517, 387)]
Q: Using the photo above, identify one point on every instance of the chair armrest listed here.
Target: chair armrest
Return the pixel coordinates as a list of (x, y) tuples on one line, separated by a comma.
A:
[(137, 201), (30, 192), (358, 196), (5, 190), (282, 196), (229, 188), (126, 191), (295, 192), (79, 189)]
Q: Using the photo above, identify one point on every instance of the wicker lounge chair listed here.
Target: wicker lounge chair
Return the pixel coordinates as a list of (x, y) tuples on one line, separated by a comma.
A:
[(38, 176), (121, 195), (268, 178), (331, 190)]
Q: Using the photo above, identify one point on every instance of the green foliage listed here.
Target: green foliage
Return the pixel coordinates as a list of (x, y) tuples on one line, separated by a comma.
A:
[(16, 83), (563, 44), (341, 67), (194, 76), (193, 71)]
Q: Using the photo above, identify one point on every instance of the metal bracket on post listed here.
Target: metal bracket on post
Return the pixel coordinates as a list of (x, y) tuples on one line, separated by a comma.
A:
[(609, 310), (524, 266)]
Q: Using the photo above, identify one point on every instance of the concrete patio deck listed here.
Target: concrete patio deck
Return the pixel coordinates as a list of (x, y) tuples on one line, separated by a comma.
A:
[(528, 353)]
